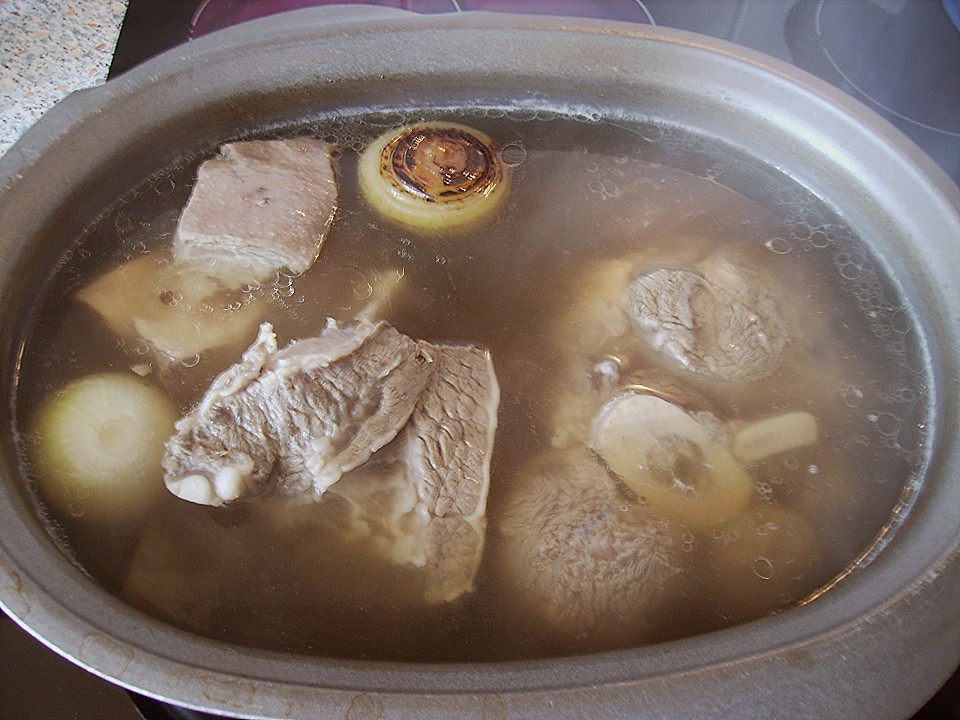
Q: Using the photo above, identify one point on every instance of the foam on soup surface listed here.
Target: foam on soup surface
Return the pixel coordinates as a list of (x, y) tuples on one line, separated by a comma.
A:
[(711, 402)]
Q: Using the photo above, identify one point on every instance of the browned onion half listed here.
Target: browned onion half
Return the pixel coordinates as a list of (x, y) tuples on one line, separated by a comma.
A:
[(433, 176)]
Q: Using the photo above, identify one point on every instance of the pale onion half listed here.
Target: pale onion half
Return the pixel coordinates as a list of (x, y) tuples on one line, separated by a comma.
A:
[(433, 176), (97, 443), (670, 461)]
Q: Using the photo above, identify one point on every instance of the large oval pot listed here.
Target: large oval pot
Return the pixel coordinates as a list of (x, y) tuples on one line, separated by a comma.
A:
[(875, 646)]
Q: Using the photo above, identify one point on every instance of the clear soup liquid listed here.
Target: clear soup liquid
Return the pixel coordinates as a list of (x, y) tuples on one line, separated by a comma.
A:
[(261, 574)]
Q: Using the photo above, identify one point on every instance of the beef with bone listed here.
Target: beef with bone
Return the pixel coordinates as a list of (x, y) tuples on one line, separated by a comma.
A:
[(402, 430), (297, 418)]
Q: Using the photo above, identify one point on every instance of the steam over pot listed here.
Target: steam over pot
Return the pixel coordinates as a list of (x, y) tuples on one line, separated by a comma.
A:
[(875, 646)]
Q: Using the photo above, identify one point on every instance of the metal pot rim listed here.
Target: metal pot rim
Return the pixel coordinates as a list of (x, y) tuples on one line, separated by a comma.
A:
[(800, 649)]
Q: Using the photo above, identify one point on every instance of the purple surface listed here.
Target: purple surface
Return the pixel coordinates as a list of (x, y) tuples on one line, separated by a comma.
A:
[(216, 14)]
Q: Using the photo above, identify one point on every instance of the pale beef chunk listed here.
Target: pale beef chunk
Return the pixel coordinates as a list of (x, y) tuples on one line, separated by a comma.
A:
[(594, 566), (718, 321), (422, 499), (258, 207), (295, 420), (604, 353)]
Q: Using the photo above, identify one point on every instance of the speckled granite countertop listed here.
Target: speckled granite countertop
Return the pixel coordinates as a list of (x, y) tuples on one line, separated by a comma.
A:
[(48, 49)]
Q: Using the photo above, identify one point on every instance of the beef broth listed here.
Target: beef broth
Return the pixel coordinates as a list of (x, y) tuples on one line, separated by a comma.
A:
[(592, 207)]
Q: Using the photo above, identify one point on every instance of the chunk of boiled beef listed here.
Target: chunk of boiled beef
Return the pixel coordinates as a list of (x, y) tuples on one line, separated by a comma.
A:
[(258, 207), (294, 420), (596, 566), (716, 320), (422, 499), (604, 353)]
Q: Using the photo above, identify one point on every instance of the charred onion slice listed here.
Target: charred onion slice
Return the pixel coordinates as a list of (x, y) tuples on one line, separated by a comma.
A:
[(433, 176)]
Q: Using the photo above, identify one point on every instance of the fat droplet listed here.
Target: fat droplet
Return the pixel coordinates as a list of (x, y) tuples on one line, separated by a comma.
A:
[(906, 395), (852, 395), (362, 290), (850, 271), (887, 424), (901, 322), (763, 568), (513, 154), (164, 186), (778, 245)]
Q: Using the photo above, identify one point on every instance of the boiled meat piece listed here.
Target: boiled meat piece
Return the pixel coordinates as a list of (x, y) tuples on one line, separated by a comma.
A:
[(597, 318), (604, 353), (258, 207), (717, 320), (422, 499), (297, 418), (592, 335), (594, 565), (178, 309), (453, 424)]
